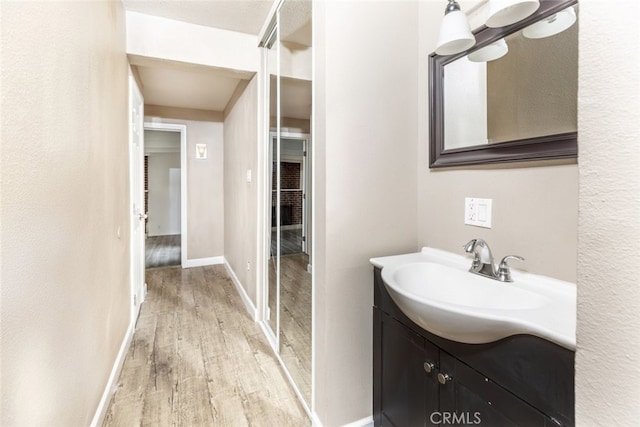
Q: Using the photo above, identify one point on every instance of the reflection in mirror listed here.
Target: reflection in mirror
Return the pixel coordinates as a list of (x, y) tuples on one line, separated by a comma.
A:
[(512, 97), (529, 91), (294, 161), (288, 210), (272, 261)]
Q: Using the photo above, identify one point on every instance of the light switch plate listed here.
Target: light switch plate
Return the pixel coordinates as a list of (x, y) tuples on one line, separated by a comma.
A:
[(477, 212)]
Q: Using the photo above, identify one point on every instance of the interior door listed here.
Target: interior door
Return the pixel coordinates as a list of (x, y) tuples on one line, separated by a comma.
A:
[(138, 216)]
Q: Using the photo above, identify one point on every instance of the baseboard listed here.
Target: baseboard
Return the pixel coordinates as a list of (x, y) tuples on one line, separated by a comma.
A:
[(291, 227), (365, 422), (201, 262), (101, 411), (248, 304), (268, 333), (315, 421)]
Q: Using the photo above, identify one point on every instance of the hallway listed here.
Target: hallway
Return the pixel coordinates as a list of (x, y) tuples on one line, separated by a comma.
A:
[(162, 251), (197, 359)]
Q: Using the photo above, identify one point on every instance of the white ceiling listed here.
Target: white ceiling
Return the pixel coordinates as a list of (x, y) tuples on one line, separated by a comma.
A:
[(295, 22), (181, 85), (244, 16)]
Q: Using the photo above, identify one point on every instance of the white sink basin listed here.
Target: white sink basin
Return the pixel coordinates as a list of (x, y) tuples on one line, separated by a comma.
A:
[(435, 290)]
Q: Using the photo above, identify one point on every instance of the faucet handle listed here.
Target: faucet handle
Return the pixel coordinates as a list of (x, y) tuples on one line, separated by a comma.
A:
[(504, 273), (508, 257)]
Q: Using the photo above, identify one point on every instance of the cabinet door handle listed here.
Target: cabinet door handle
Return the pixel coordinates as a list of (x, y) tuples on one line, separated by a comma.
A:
[(443, 378), (428, 367)]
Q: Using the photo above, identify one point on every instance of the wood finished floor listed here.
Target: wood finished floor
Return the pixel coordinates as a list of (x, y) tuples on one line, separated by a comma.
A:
[(295, 317), (295, 320), (162, 251), (197, 359), (290, 241)]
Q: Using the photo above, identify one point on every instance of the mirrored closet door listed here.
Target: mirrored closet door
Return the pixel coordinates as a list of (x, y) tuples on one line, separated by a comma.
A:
[(289, 278)]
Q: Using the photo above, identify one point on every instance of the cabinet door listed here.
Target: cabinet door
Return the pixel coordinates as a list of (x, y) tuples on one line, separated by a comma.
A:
[(408, 393), (474, 399)]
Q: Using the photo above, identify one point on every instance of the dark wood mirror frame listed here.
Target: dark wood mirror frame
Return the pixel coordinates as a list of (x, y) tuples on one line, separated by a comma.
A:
[(558, 146)]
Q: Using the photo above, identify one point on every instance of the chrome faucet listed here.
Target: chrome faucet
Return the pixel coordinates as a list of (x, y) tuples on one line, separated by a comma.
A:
[(482, 258), (483, 261)]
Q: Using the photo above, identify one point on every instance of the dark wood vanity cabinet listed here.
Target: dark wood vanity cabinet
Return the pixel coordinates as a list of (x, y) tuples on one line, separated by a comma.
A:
[(404, 389), (423, 380)]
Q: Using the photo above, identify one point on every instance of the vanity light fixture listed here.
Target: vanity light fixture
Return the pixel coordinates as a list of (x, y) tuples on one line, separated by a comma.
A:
[(507, 12), (495, 50), (552, 25), (455, 32)]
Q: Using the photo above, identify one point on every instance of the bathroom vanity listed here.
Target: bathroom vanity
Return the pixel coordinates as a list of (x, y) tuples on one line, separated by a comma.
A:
[(423, 379)]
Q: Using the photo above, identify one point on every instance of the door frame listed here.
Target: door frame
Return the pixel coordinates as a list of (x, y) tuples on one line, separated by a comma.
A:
[(182, 129), (136, 198), (305, 165)]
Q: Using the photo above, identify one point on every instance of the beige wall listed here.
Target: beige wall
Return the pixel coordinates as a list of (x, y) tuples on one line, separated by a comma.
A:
[(365, 133), (205, 189), (65, 215), (607, 373), (156, 37), (164, 210), (534, 213), (240, 197), (535, 208), (598, 248), (533, 90)]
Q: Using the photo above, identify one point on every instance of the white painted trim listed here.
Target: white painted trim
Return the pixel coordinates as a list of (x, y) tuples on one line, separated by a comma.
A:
[(364, 422), (160, 150), (315, 421), (271, 338), (301, 398), (265, 32), (201, 262), (172, 127), (110, 388), (265, 158), (248, 304), (288, 227), (295, 135), (262, 121), (136, 199), (278, 180), (311, 267)]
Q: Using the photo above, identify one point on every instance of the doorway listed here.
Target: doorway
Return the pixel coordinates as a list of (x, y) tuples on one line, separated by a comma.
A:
[(138, 216), (295, 189), (165, 194)]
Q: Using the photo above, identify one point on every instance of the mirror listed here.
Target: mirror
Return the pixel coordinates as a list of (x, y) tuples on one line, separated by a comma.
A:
[(294, 161), (289, 278), (512, 97), (272, 236)]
